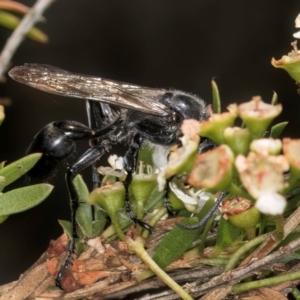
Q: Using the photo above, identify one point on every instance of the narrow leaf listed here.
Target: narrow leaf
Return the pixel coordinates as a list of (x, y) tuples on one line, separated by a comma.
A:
[(3, 218), (18, 168), (66, 226), (84, 217), (277, 129), (227, 235), (24, 198), (216, 98), (274, 100), (175, 243), (100, 220), (11, 22), (2, 183)]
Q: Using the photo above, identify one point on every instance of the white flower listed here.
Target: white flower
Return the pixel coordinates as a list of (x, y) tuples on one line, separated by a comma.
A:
[(116, 169), (297, 25), (263, 177), (266, 146), (271, 203), (116, 162), (192, 200), (262, 174)]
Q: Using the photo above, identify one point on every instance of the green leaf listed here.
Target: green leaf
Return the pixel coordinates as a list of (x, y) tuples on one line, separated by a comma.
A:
[(216, 98), (84, 216), (277, 129), (155, 199), (274, 100), (11, 22), (175, 243), (2, 183), (205, 209), (227, 235), (24, 198), (3, 218), (100, 220), (67, 227), (2, 165), (18, 168)]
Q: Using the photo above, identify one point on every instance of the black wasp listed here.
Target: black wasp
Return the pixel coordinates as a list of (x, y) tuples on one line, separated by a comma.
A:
[(117, 112)]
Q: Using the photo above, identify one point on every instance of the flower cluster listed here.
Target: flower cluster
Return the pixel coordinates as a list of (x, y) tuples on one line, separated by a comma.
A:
[(246, 163)]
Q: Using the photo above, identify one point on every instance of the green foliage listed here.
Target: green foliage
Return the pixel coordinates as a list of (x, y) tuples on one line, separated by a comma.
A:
[(15, 170), (24, 198), (11, 22), (21, 199)]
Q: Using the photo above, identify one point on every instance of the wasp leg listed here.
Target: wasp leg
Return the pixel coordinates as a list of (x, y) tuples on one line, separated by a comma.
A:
[(99, 115), (87, 159), (130, 161), (207, 216)]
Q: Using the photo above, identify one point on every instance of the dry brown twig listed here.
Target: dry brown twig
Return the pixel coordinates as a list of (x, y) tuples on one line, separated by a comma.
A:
[(119, 281)]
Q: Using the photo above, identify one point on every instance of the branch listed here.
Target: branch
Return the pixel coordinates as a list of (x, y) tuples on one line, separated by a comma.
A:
[(13, 42)]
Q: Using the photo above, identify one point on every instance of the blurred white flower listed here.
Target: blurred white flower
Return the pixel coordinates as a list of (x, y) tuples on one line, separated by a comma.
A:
[(263, 177), (266, 146), (271, 203), (297, 25), (192, 200), (116, 162), (116, 169)]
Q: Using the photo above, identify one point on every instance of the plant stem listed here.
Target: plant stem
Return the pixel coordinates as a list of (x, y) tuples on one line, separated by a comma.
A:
[(244, 249), (279, 227), (140, 209), (204, 234), (251, 233), (17, 36), (117, 227), (243, 287), (161, 212), (296, 293), (138, 248)]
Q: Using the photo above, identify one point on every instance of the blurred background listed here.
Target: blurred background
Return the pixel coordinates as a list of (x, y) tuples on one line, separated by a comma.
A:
[(158, 43)]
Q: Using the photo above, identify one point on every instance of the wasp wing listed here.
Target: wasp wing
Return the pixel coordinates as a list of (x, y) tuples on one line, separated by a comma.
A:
[(57, 81)]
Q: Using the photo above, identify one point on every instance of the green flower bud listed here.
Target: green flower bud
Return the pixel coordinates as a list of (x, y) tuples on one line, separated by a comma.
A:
[(109, 197), (181, 160), (266, 146), (215, 126), (241, 213), (238, 139), (258, 115), (213, 169), (112, 199), (142, 186), (290, 63)]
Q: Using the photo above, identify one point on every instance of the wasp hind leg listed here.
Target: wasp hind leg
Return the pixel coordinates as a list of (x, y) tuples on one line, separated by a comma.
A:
[(87, 159)]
